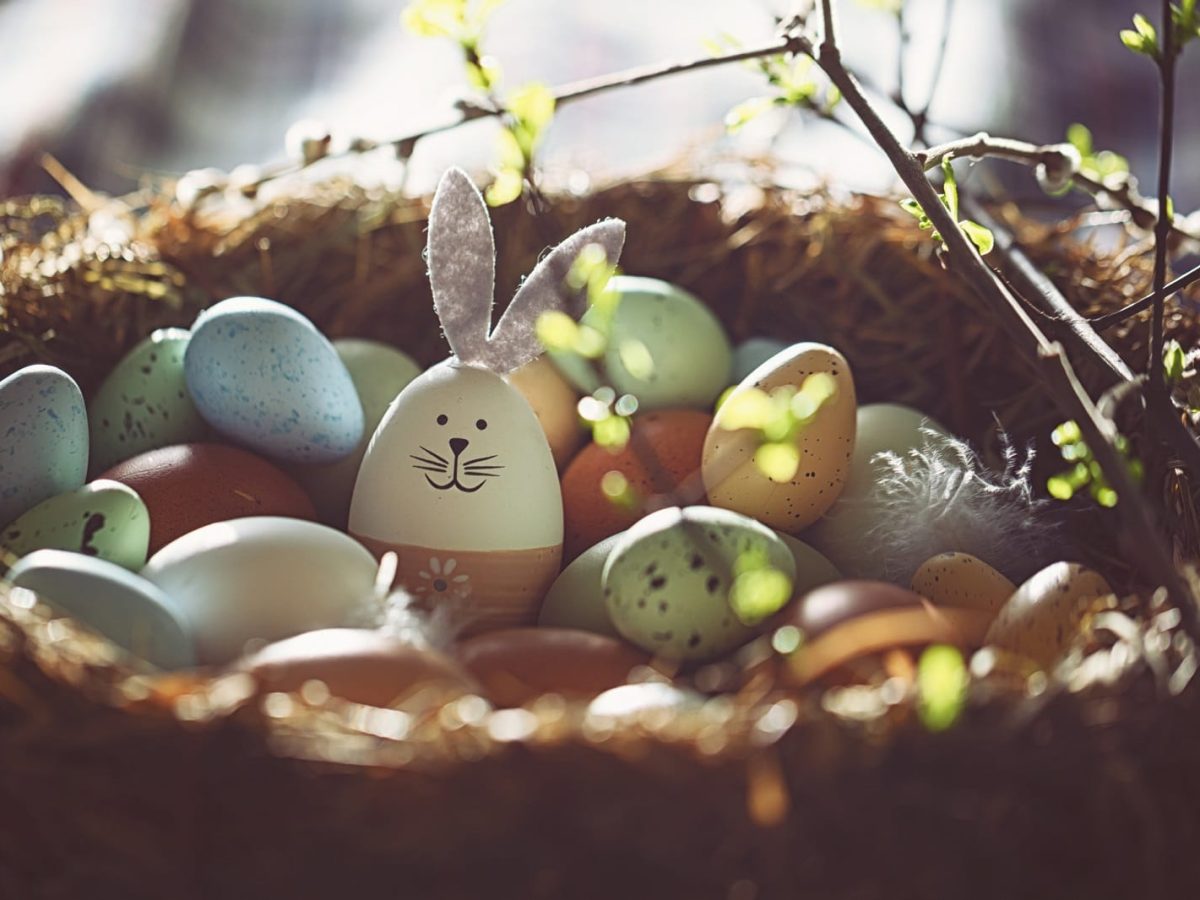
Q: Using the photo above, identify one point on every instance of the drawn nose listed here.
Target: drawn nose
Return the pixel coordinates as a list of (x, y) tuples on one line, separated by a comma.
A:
[(458, 445)]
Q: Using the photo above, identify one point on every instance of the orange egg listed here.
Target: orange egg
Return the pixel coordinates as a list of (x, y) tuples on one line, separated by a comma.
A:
[(662, 455), (517, 665)]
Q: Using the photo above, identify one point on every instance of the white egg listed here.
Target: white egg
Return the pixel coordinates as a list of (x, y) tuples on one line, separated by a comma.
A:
[(263, 578), (840, 533)]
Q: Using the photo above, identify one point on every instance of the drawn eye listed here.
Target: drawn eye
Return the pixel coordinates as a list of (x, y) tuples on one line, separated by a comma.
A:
[(442, 420), (481, 424)]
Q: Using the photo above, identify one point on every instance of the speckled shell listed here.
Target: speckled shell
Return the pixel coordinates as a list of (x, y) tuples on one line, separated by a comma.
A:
[(826, 446), (668, 579), (143, 403), (43, 438), (1042, 619), (555, 403), (379, 373), (260, 373), (104, 519), (122, 606), (263, 578), (960, 579), (576, 599)]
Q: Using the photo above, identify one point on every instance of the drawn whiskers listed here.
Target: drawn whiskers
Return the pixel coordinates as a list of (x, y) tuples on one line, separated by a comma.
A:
[(479, 467), (430, 461)]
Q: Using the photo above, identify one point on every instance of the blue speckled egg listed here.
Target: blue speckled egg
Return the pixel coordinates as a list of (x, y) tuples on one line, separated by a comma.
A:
[(260, 373), (43, 438), (126, 608)]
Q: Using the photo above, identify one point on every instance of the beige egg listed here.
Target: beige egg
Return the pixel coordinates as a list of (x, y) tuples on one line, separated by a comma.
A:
[(1042, 619), (555, 403), (960, 579), (734, 481)]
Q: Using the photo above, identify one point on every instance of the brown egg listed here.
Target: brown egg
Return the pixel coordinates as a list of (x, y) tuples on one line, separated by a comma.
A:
[(850, 620), (672, 440), (1042, 619), (359, 665), (960, 579), (516, 665), (555, 403), (187, 486)]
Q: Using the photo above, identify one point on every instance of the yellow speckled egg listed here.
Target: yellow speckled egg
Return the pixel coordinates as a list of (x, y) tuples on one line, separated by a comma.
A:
[(554, 402), (826, 445), (960, 579), (1043, 617)]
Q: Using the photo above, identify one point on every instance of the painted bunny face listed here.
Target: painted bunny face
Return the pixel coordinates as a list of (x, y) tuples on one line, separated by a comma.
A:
[(459, 462)]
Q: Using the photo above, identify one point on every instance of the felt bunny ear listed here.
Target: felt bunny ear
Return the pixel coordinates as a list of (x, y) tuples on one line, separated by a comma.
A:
[(514, 341), (462, 266)]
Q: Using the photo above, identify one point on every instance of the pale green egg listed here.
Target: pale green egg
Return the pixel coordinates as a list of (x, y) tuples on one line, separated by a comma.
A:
[(379, 373), (576, 599), (691, 584), (144, 404), (664, 346), (104, 519)]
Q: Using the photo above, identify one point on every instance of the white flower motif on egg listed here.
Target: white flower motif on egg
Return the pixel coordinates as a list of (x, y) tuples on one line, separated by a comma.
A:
[(439, 579)]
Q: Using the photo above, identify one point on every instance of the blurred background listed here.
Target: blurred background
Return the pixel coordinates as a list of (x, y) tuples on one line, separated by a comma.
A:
[(118, 88)]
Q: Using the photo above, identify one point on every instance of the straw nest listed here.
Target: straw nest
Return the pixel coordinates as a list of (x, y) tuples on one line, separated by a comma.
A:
[(115, 783)]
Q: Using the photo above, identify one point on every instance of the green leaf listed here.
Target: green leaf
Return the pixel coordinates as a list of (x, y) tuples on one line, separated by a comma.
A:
[(1144, 28), (745, 113), (1079, 136), (912, 207), (942, 681), (981, 237), (533, 105), (950, 197), (507, 187), (435, 18), (509, 150), (1174, 362)]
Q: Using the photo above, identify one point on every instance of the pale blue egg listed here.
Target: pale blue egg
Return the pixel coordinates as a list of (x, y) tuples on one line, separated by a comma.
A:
[(260, 373), (752, 353), (130, 611), (43, 438)]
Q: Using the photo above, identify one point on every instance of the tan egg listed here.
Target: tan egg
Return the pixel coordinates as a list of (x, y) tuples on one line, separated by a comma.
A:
[(826, 445), (555, 403), (960, 579), (1042, 619)]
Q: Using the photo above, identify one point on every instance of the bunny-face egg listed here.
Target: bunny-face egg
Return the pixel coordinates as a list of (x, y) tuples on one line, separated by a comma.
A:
[(460, 482)]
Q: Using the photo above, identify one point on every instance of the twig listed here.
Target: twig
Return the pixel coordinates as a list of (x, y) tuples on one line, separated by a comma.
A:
[(1162, 228), (1184, 281), (1122, 192), (1152, 557), (828, 25)]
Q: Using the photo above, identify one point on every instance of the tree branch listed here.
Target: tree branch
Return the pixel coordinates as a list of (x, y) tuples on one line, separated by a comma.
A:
[(1184, 281), (1151, 555), (1162, 228)]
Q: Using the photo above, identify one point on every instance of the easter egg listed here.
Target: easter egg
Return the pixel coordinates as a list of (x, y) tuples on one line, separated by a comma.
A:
[(379, 373), (812, 569), (664, 346), (960, 579), (43, 438), (662, 456), (1043, 617), (517, 665), (851, 620), (460, 482), (188, 486), (841, 533), (576, 599), (679, 582), (263, 578), (143, 403), (359, 665), (824, 444), (555, 403), (104, 519), (752, 353), (260, 373), (124, 607)]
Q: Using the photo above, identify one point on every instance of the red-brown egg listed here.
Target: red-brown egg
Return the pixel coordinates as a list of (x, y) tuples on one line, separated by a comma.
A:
[(187, 486), (517, 665), (662, 455), (359, 665)]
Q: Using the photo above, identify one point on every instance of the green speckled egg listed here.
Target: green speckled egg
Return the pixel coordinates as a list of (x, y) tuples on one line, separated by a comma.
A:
[(576, 599), (665, 347), (104, 519), (669, 580), (379, 373), (143, 404)]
